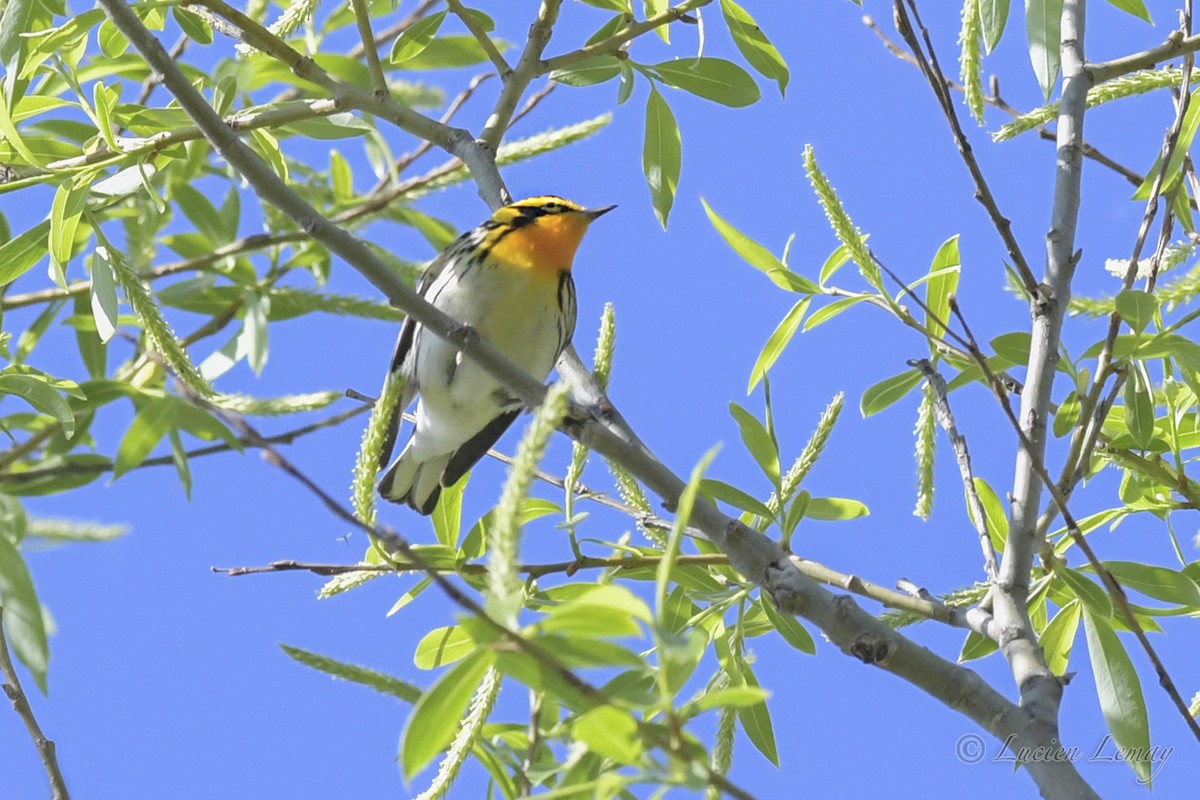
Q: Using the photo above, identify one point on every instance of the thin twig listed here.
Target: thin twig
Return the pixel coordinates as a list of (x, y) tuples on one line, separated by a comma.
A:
[(996, 101), (287, 437), (1177, 44), (152, 82), (482, 37), (937, 80), (388, 34), (362, 18), (941, 405), (20, 703), (529, 66)]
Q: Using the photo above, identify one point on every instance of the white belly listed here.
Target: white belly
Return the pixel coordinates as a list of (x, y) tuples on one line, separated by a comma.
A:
[(520, 319)]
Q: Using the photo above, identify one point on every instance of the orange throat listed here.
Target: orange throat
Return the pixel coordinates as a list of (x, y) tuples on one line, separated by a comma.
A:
[(546, 246)]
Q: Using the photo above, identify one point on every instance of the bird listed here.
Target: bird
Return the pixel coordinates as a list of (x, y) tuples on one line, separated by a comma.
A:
[(508, 279)]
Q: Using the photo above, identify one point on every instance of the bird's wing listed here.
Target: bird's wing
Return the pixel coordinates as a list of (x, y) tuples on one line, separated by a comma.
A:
[(476, 447), (399, 368)]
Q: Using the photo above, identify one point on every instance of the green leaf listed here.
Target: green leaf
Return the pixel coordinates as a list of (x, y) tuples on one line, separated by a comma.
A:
[(758, 256), (719, 490), (1191, 123), (195, 27), (994, 16), (450, 52), (1094, 598), (730, 697), (1059, 636), (112, 42), (103, 294), (588, 72), (447, 517), (836, 508), (790, 628), (662, 155), (602, 611), (65, 212), (993, 512), (1137, 308), (355, 674), (653, 8), (23, 624), (1135, 7), (828, 312), (945, 270), (438, 713), (152, 422), (1043, 25), (91, 350), (976, 646), (200, 212), (1139, 408), (253, 341), (609, 732), (1120, 693), (413, 41), (778, 341), (758, 442), (336, 126), (883, 394), (1067, 415), (1157, 582), (754, 45), (37, 391), (443, 646), (18, 255), (18, 19), (622, 6), (711, 78), (179, 458), (1013, 347), (756, 719), (683, 511)]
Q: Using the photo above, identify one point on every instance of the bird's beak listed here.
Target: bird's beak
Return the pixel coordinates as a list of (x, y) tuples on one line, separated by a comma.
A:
[(593, 213)]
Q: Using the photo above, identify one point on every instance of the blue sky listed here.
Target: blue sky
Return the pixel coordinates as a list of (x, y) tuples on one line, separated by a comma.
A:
[(167, 680)]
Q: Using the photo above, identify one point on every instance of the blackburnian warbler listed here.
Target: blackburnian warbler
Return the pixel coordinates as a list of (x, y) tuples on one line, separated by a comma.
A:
[(510, 280)]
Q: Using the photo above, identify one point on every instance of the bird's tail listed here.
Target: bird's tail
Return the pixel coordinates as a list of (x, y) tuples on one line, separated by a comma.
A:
[(414, 482)]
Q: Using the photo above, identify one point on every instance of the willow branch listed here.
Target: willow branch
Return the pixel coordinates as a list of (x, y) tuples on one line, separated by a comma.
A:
[(362, 18), (515, 82), (996, 101), (481, 36), (937, 80), (622, 37), (1177, 44), (962, 456), (287, 437), (20, 703)]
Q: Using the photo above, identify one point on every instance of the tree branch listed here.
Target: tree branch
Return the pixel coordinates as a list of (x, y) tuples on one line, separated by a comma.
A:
[(485, 41), (528, 67), (627, 34), (1177, 44), (20, 703), (945, 418), (933, 74), (362, 18)]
